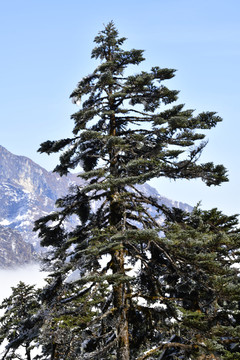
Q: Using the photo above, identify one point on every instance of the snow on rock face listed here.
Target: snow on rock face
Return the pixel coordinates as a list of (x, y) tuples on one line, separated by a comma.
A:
[(27, 192)]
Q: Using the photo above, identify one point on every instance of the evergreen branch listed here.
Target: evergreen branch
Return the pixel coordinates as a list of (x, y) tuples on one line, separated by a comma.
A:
[(140, 112), (166, 346), (103, 316), (137, 253), (149, 217), (133, 119), (149, 200), (102, 351), (167, 256), (76, 296)]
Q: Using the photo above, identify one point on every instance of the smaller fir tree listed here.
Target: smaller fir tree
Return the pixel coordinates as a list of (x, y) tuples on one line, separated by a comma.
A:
[(196, 266), (18, 325)]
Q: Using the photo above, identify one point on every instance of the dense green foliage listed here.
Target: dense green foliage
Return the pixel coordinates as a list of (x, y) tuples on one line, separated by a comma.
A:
[(18, 325), (123, 284)]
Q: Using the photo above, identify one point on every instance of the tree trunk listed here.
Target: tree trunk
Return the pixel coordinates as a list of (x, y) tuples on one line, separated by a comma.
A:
[(116, 216), (121, 306)]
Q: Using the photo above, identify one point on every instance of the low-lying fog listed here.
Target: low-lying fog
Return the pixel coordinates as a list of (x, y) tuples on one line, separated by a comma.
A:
[(30, 274)]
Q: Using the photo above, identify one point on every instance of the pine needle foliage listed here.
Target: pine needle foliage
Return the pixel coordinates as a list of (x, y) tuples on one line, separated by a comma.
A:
[(19, 326), (143, 289)]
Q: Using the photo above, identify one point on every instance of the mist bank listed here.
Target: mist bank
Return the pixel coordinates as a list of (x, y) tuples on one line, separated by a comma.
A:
[(30, 274)]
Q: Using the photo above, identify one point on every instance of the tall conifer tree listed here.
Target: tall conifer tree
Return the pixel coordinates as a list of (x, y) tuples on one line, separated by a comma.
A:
[(126, 132)]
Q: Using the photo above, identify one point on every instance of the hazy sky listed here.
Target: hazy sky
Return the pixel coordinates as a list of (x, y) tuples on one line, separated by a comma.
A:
[(45, 51)]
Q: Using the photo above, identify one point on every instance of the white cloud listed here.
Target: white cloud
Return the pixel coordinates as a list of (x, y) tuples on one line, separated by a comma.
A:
[(30, 274)]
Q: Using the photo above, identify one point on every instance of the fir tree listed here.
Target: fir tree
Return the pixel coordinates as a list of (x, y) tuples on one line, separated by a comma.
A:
[(18, 326), (199, 275), (123, 305)]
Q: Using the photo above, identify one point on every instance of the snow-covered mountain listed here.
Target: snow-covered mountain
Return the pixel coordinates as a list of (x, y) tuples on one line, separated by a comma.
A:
[(27, 192)]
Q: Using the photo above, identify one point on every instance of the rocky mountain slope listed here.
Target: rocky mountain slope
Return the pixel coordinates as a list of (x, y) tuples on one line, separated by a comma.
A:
[(27, 192), (14, 250)]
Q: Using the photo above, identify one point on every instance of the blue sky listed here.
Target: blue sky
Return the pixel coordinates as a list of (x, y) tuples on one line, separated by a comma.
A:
[(46, 47)]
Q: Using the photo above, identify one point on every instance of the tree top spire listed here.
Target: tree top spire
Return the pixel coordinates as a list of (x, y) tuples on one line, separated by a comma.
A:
[(108, 42)]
